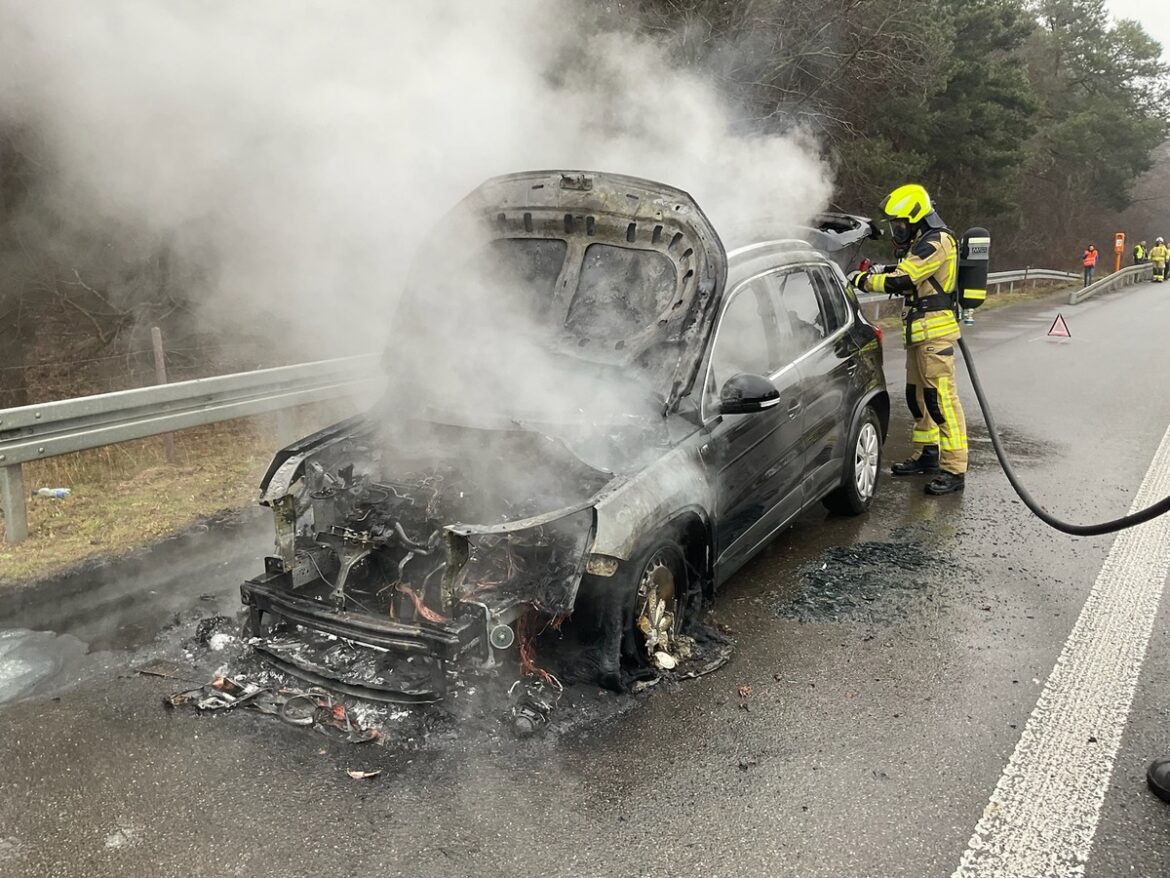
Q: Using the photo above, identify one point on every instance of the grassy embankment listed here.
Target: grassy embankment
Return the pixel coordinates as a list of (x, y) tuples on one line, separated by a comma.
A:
[(126, 496)]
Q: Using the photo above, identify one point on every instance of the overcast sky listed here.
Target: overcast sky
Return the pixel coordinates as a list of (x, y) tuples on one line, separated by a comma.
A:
[(1156, 23)]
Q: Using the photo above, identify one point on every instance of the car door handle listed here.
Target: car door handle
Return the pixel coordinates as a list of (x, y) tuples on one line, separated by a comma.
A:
[(793, 409), (852, 367)]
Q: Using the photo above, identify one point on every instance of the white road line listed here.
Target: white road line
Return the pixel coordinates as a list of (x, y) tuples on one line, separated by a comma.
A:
[(1043, 813)]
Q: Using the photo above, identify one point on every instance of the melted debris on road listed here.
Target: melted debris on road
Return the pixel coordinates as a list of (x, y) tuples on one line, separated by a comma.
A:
[(313, 708), (478, 704), (873, 582)]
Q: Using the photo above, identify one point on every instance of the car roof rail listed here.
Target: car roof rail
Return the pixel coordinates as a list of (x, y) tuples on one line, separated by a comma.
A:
[(780, 245)]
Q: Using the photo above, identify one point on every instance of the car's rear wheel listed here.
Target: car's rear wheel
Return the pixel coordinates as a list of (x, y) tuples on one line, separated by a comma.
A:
[(863, 466)]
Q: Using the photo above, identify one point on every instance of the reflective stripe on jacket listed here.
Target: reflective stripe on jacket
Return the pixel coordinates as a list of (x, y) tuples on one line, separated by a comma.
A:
[(934, 256)]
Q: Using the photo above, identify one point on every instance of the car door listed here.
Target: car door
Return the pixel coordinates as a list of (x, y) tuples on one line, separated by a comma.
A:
[(754, 460), (818, 315)]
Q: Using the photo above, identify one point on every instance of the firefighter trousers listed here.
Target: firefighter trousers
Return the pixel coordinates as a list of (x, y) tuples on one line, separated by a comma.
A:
[(1159, 270), (934, 402)]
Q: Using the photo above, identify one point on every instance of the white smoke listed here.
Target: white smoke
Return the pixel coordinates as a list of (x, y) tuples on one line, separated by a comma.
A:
[(301, 150)]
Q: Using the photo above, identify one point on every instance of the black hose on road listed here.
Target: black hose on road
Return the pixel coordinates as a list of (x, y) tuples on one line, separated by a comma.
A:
[(1078, 530)]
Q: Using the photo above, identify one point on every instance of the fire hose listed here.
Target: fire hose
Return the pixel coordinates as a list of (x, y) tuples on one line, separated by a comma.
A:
[(1079, 530)]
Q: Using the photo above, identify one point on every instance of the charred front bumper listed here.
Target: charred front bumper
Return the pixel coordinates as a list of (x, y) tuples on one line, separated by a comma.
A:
[(494, 576), (297, 633)]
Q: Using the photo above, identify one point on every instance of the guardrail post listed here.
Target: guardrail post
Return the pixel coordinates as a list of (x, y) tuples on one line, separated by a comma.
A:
[(286, 433), (12, 498), (160, 377)]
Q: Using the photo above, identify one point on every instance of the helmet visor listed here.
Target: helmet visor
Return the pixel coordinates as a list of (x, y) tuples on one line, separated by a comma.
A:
[(900, 230)]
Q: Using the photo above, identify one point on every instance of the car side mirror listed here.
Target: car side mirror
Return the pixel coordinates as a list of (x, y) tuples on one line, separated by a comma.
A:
[(744, 394)]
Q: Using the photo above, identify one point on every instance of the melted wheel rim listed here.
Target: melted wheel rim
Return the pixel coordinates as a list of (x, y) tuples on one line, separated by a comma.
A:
[(658, 610)]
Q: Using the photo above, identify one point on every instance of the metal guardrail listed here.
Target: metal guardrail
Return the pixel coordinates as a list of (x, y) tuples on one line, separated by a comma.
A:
[(1024, 275), (36, 432), (1124, 278)]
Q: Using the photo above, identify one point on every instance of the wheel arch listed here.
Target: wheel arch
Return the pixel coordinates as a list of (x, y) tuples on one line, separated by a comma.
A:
[(879, 401), (691, 528)]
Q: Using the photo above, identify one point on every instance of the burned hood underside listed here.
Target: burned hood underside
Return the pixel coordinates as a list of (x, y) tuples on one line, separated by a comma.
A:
[(613, 270)]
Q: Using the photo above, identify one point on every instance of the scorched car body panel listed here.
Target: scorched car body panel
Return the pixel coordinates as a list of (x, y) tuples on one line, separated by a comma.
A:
[(551, 444)]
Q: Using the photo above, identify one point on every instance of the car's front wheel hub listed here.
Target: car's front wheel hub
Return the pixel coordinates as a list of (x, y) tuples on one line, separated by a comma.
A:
[(658, 610)]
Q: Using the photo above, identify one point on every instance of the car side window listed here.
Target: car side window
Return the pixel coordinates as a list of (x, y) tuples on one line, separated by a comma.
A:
[(746, 339), (832, 300), (798, 303)]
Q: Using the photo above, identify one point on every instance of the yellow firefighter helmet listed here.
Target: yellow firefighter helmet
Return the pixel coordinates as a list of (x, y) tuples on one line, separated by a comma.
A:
[(910, 202)]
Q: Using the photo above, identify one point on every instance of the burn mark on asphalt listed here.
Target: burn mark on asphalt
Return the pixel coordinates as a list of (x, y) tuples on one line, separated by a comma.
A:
[(1019, 447), (878, 582)]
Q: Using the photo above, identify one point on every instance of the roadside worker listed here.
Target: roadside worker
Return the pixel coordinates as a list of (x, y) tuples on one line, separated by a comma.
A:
[(1089, 261), (925, 277), (1139, 253), (1158, 255)]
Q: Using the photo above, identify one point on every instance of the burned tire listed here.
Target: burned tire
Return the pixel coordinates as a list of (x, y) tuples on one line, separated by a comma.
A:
[(662, 595), (604, 642), (863, 466)]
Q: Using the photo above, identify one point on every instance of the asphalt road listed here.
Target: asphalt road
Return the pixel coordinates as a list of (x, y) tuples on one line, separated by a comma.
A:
[(894, 664)]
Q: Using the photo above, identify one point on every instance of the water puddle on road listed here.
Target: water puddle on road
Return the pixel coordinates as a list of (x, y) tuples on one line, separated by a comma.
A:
[(32, 662)]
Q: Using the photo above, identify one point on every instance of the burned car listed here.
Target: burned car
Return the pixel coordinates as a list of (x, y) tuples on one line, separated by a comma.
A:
[(594, 416)]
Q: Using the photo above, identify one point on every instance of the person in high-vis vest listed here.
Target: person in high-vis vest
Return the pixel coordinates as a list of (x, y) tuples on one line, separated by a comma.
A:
[(1139, 253), (1158, 255), (1089, 261), (925, 277)]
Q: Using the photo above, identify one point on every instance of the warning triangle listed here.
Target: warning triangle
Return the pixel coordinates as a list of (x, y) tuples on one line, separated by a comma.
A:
[(1059, 328)]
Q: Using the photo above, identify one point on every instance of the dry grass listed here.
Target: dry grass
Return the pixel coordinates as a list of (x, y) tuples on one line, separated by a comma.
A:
[(126, 495)]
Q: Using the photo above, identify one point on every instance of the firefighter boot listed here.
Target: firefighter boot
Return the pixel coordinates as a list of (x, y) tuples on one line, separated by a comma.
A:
[(924, 463), (1158, 778), (946, 483)]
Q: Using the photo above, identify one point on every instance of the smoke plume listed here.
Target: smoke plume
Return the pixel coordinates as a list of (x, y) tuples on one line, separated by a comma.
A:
[(294, 154)]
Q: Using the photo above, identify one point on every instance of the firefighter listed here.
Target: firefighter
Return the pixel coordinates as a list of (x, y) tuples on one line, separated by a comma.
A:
[(1139, 253), (925, 277), (1158, 255)]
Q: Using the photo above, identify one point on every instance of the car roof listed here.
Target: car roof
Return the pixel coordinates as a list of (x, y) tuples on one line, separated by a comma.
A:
[(754, 259)]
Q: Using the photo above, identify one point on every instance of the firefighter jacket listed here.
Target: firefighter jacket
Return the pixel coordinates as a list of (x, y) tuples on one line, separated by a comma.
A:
[(1158, 253), (926, 279)]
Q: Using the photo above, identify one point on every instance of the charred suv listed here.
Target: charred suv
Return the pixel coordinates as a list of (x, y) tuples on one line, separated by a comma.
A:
[(594, 416)]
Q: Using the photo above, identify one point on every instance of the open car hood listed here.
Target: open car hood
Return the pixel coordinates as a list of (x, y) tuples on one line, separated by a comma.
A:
[(640, 301)]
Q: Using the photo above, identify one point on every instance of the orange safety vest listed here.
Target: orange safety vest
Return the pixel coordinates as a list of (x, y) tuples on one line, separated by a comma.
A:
[(1090, 258)]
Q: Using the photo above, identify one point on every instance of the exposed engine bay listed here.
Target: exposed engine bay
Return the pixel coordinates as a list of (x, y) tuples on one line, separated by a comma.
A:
[(442, 548)]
